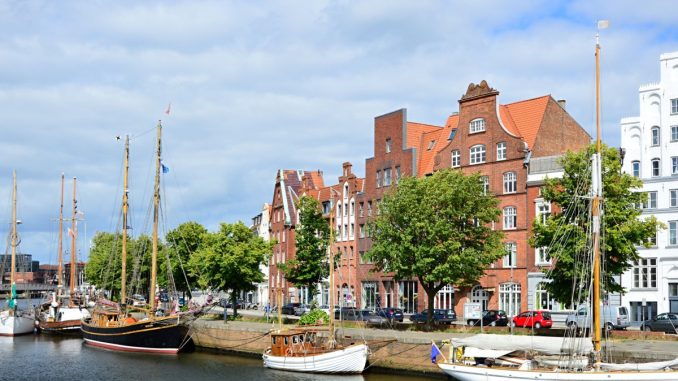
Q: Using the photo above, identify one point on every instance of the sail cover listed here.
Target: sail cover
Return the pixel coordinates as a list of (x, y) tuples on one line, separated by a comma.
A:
[(658, 365), (541, 344)]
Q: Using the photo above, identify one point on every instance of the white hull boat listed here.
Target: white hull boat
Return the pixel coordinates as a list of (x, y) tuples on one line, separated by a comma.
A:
[(12, 325), (351, 359)]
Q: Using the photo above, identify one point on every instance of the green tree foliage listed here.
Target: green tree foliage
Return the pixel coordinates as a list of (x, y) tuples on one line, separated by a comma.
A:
[(565, 232), (181, 243), (316, 316), (436, 229), (229, 260), (310, 264)]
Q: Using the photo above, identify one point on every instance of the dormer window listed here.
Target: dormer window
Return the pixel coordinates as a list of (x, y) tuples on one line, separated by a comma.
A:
[(477, 125), (388, 145), (453, 133), (431, 144)]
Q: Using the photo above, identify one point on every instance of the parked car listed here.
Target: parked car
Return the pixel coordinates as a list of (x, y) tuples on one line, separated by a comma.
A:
[(612, 317), (536, 319), (371, 318), (666, 322), (440, 316), (138, 300), (348, 314), (491, 318), (240, 304), (288, 309), (302, 309), (392, 314)]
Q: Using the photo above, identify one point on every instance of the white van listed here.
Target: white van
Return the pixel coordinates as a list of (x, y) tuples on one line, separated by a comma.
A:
[(612, 317)]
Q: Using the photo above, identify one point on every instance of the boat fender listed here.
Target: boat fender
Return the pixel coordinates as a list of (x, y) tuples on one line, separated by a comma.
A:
[(460, 353)]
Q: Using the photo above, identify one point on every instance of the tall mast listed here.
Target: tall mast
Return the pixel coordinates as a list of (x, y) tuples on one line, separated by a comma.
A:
[(156, 206), (14, 237), (74, 235), (60, 253), (332, 341), (125, 207), (597, 187)]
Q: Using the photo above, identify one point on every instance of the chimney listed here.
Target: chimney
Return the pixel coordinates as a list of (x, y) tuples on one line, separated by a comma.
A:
[(562, 103), (347, 168)]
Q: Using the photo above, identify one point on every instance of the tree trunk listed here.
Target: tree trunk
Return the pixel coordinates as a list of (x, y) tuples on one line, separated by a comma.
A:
[(431, 291), (234, 301)]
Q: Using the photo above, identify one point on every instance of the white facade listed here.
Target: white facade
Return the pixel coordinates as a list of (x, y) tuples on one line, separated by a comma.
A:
[(261, 225), (651, 145)]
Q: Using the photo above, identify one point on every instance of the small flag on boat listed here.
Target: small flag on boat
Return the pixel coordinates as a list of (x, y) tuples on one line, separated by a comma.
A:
[(603, 24), (434, 352), (169, 106), (71, 232), (12, 299), (165, 169)]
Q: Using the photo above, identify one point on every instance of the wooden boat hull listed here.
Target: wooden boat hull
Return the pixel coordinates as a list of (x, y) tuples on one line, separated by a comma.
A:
[(66, 326), (165, 336), (351, 359), (463, 372), (16, 325)]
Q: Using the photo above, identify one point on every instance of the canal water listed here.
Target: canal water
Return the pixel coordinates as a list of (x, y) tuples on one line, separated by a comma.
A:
[(46, 357)]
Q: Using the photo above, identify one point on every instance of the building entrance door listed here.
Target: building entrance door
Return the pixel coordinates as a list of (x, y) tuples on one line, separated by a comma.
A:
[(673, 297)]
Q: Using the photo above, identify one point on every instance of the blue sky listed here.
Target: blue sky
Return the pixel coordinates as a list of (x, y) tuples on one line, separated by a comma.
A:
[(259, 86)]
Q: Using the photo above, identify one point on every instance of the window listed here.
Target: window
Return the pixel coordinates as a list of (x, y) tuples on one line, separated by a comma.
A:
[(352, 234), (453, 133), (673, 229), (477, 125), (510, 217), (431, 144), (636, 168), (456, 158), (651, 201), (655, 168), (543, 211), (674, 165), (509, 298), (326, 207), (478, 154), (388, 145), (510, 257), (486, 183), (501, 151), (345, 210), (655, 136), (673, 198), (542, 298), (361, 209), (397, 178), (387, 177), (369, 208), (510, 182), (352, 207), (542, 256), (674, 106), (361, 231), (378, 179), (674, 133), (645, 273)]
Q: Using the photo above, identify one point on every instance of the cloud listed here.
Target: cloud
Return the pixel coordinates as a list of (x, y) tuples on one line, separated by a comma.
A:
[(260, 86)]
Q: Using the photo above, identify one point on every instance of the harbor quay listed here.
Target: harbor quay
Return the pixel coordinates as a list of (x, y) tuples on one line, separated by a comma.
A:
[(409, 351)]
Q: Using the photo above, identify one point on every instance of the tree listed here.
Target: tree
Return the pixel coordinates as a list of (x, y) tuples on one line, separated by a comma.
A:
[(310, 264), (565, 233), (436, 229), (181, 243), (104, 265), (229, 260)]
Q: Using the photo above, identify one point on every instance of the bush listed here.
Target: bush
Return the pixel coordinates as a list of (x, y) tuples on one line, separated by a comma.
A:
[(314, 317)]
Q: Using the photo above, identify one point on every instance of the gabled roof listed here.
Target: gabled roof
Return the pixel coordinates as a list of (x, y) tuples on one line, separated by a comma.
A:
[(415, 132), (524, 118), (436, 138)]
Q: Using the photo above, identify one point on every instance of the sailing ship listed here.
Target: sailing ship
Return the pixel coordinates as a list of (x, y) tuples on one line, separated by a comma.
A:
[(63, 313), (13, 320), (314, 349), (112, 325), (487, 358)]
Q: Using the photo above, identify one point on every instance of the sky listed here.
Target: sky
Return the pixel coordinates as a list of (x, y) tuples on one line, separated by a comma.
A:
[(258, 86)]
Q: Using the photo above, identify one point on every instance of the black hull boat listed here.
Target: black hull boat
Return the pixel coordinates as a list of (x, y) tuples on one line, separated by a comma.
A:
[(157, 335)]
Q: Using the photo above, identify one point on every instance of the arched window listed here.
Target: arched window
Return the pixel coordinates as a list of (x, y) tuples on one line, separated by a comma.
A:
[(456, 158), (509, 298), (510, 217), (510, 182), (501, 151), (477, 154), (655, 136), (656, 167), (477, 125), (479, 295), (636, 168)]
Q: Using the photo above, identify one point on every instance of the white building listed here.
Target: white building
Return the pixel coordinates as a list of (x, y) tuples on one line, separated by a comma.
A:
[(650, 142), (261, 226)]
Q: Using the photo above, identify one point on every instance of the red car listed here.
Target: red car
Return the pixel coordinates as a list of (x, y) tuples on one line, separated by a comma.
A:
[(536, 319)]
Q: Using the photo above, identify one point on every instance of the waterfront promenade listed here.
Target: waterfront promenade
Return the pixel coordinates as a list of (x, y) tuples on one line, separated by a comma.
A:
[(406, 350)]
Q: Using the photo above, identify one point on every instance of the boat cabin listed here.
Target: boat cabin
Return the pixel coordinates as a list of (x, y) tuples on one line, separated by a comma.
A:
[(293, 343)]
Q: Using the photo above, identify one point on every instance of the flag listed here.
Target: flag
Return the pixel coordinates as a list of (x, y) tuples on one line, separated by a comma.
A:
[(12, 299), (169, 106), (434, 352), (71, 232), (165, 169), (603, 24)]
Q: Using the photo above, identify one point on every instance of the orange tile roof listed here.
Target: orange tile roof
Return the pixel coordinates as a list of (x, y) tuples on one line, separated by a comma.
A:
[(524, 118), (425, 160), (415, 131)]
